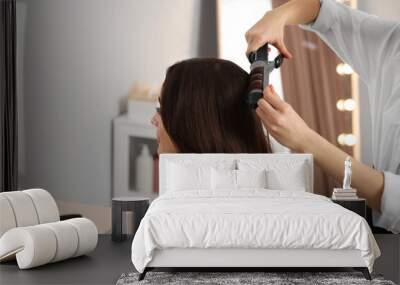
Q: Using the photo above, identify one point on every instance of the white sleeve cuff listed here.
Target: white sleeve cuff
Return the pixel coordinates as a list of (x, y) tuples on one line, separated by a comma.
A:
[(325, 19), (390, 204)]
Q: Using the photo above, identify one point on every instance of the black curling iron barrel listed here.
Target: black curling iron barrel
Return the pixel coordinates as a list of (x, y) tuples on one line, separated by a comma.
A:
[(260, 69)]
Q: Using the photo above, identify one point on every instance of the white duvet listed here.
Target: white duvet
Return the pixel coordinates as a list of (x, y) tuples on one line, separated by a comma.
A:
[(251, 218)]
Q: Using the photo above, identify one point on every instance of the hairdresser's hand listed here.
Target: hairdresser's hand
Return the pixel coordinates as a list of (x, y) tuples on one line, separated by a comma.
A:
[(269, 29), (282, 122)]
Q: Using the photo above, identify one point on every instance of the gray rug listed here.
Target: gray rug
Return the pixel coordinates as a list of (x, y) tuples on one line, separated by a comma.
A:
[(242, 278)]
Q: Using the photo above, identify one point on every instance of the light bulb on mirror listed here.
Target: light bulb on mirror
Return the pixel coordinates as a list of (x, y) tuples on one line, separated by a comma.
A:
[(349, 105), (346, 104), (347, 139), (340, 104), (344, 69)]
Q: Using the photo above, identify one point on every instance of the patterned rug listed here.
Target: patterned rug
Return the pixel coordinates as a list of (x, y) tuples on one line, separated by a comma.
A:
[(243, 278)]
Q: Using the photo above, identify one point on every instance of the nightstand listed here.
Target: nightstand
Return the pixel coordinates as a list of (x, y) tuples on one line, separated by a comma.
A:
[(358, 206), (137, 205)]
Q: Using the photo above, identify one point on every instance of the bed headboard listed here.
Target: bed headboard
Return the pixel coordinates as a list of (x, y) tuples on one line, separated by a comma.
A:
[(270, 157)]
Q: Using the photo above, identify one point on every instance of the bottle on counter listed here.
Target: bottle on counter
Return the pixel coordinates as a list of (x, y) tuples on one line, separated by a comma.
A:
[(144, 171)]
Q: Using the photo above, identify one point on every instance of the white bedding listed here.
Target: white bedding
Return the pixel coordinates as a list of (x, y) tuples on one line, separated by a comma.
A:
[(251, 218)]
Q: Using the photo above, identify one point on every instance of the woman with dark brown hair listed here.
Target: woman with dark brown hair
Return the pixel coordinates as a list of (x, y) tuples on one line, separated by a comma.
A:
[(203, 110)]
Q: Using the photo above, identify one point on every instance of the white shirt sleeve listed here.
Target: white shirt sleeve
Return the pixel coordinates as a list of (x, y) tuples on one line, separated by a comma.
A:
[(389, 217), (364, 41), (276, 146), (372, 47)]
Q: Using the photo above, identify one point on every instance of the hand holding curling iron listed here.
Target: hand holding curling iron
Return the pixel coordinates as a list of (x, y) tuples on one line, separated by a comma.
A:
[(269, 29), (282, 122)]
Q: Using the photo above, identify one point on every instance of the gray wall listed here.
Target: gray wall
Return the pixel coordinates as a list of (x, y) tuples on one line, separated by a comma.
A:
[(79, 59)]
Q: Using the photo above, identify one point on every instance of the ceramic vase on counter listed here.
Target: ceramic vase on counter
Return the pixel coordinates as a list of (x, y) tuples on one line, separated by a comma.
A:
[(144, 171)]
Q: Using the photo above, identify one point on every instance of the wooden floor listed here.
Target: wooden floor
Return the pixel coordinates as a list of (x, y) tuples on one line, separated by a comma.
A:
[(102, 266)]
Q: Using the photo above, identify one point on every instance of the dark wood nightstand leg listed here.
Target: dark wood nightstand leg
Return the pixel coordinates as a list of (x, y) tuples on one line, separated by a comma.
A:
[(364, 271), (143, 274), (116, 234), (138, 214)]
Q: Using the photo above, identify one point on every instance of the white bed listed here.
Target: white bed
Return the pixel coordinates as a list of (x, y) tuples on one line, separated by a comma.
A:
[(247, 226)]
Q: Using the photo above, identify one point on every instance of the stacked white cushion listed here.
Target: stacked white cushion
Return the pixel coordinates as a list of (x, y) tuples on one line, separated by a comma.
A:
[(42, 244), (31, 232), (32, 246), (7, 218), (23, 208), (66, 237), (45, 206), (87, 235), (27, 208)]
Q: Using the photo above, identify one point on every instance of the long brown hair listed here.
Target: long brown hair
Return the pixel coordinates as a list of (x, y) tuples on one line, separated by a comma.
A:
[(203, 108)]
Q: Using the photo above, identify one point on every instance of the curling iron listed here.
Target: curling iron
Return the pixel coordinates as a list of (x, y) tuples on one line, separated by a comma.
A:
[(260, 69)]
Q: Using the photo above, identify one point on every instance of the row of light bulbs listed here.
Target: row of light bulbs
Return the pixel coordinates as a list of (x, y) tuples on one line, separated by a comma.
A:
[(345, 105)]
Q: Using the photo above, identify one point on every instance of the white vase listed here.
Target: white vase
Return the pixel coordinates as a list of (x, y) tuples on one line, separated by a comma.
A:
[(144, 171)]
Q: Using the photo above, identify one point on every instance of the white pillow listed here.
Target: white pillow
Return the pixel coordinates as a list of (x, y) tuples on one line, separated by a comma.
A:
[(251, 178), (293, 180), (236, 179), (223, 179), (187, 177), (190, 174), (281, 174)]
